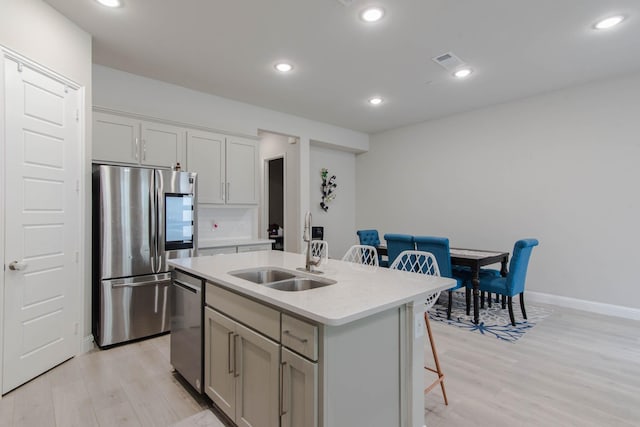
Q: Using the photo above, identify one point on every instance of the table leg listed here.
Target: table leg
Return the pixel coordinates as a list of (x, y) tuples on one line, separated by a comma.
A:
[(475, 281)]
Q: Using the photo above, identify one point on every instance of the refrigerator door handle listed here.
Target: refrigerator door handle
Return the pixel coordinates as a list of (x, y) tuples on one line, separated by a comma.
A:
[(153, 232)]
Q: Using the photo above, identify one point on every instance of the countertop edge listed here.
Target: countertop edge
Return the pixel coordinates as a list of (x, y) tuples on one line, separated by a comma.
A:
[(248, 292)]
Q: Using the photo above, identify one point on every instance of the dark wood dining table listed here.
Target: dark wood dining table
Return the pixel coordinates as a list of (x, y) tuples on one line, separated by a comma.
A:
[(476, 259)]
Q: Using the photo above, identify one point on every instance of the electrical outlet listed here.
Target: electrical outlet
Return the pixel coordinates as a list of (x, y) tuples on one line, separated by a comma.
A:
[(419, 326)]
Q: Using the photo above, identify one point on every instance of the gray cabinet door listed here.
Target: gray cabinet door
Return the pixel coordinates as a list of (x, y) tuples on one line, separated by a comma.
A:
[(258, 380), (220, 370), (299, 398)]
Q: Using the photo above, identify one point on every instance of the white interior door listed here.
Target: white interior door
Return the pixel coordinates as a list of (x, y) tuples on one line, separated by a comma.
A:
[(42, 228)]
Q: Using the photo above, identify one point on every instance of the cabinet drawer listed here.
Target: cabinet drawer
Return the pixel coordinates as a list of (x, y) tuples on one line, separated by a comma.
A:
[(300, 336), (253, 248), (253, 314), (217, 251)]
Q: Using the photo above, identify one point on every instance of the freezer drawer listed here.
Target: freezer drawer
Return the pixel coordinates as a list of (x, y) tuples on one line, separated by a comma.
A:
[(186, 328), (133, 307)]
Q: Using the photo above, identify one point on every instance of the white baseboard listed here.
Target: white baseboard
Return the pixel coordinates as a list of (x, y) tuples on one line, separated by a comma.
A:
[(579, 304), (87, 344)]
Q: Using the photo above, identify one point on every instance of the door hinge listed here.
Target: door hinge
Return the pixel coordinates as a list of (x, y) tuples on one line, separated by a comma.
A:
[(77, 115), (19, 67), (77, 257), (75, 328), (78, 186)]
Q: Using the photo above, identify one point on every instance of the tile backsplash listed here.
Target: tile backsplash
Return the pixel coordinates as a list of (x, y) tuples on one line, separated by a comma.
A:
[(226, 223)]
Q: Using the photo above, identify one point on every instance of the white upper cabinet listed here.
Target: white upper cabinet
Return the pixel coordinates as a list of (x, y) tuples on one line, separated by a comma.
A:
[(161, 145), (227, 167), (115, 138), (206, 156), (242, 170), (126, 140)]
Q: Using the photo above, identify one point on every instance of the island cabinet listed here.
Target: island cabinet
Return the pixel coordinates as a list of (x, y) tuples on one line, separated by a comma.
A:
[(267, 367), (127, 140), (227, 168), (250, 374), (349, 353), (241, 371)]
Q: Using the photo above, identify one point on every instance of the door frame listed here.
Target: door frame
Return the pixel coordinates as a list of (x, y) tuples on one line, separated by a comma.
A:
[(8, 54), (265, 205)]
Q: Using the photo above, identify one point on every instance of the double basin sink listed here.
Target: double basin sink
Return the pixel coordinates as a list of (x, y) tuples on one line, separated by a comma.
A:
[(281, 279)]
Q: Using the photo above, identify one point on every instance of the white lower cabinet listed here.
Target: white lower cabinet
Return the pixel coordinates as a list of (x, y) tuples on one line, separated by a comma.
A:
[(254, 248), (217, 251), (299, 391), (234, 249), (241, 371)]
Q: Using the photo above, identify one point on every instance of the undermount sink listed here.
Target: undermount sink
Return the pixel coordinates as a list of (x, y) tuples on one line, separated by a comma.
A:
[(262, 275), (300, 284), (281, 279)]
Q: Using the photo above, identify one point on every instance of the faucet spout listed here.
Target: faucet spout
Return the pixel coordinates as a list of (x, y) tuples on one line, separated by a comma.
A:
[(306, 236)]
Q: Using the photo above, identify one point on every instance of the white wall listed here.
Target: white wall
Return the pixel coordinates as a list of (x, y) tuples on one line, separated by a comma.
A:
[(35, 30), (339, 220), (561, 167), (272, 145)]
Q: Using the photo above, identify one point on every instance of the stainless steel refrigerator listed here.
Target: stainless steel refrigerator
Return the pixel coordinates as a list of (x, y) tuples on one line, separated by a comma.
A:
[(141, 218)]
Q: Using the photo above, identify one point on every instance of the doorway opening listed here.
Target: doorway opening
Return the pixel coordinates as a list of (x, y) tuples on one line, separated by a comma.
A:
[(274, 168)]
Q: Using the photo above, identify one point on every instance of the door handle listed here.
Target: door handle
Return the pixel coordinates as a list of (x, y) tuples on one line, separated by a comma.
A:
[(236, 370), (17, 266), (283, 366), (230, 369)]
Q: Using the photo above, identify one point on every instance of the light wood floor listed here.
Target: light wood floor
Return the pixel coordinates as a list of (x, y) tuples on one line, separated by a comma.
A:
[(572, 369)]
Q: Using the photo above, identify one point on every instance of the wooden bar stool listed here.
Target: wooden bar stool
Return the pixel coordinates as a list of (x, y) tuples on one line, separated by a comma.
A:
[(425, 263)]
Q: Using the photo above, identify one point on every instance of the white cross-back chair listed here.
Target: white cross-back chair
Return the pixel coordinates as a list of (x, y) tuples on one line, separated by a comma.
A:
[(424, 263), (319, 249), (362, 254)]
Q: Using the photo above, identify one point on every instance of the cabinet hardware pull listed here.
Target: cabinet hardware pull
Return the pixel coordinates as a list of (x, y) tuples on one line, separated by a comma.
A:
[(222, 191), (135, 151), (228, 191), (144, 149), (229, 353), (302, 340), (282, 385), (236, 370)]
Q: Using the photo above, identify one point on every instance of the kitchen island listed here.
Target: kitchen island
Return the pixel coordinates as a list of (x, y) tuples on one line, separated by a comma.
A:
[(347, 354)]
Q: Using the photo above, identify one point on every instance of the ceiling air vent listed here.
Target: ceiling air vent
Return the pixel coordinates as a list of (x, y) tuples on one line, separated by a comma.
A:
[(449, 61), (346, 2)]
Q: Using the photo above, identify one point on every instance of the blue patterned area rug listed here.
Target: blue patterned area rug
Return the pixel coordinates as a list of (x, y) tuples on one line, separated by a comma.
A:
[(494, 321)]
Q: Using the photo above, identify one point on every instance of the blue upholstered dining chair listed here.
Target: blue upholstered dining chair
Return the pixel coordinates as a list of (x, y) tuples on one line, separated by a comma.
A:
[(397, 243), (371, 238), (513, 283), (439, 247)]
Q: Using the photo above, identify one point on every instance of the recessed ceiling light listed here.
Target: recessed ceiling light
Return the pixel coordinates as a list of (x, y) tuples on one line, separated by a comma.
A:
[(376, 100), (608, 22), (372, 14), (283, 67), (110, 3), (462, 73)]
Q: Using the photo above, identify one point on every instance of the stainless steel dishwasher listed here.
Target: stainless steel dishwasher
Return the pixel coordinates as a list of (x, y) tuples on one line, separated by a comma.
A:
[(187, 301)]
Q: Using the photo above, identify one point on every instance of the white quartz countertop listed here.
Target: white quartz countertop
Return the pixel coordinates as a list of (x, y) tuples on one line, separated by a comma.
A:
[(221, 243), (360, 290)]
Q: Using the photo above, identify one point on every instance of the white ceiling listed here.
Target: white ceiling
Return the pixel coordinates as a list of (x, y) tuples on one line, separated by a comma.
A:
[(228, 48)]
